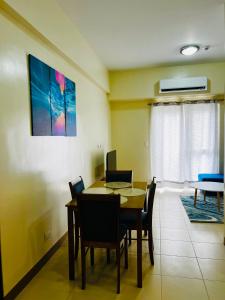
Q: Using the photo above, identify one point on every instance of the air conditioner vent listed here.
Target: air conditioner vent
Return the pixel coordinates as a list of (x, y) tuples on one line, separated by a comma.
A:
[(183, 85)]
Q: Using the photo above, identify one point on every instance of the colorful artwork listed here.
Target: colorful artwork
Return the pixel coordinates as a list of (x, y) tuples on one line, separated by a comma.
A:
[(53, 101)]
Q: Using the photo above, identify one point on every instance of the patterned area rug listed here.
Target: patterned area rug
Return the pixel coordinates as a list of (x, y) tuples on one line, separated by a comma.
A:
[(207, 213)]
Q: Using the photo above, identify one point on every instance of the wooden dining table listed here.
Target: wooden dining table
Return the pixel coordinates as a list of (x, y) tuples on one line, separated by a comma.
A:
[(134, 205)]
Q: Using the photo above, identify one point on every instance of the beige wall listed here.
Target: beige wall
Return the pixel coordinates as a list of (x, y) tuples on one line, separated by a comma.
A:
[(48, 18), (131, 114), (130, 126), (142, 83), (34, 171)]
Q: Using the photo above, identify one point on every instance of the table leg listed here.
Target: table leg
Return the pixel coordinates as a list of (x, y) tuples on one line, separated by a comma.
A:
[(139, 249), (204, 196), (195, 199), (218, 200), (76, 234), (71, 243)]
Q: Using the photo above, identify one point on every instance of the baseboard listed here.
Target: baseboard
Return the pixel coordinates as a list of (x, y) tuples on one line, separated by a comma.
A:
[(1, 280), (36, 268)]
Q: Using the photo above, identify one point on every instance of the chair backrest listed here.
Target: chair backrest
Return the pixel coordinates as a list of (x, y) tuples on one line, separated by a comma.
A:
[(119, 175), (99, 217), (76, 186), (151, 196)]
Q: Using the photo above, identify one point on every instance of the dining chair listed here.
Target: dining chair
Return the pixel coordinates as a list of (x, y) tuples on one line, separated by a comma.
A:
[(100, 228), (76, 187), (129, 220), (118, 175)]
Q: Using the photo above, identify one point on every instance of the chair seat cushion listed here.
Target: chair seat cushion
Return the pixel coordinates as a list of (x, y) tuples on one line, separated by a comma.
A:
[(130, 220)]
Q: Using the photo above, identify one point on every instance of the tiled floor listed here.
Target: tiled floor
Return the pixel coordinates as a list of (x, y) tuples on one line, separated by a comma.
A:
[(189, 264)]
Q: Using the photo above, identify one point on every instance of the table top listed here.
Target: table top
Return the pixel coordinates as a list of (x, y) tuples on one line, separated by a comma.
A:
[(209, 186), (134, 202)]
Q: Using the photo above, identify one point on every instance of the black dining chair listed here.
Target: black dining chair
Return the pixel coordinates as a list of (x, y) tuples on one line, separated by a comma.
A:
[(99, 219), (76, 187), (129, 220), (119, 175)]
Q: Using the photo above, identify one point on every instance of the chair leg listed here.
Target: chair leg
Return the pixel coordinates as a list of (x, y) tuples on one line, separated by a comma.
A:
[(145, 232), (129, 235), (150, 247), (108, 255), (76, 236), (92, 256), (118, 268), (125, 252), (83, 267)]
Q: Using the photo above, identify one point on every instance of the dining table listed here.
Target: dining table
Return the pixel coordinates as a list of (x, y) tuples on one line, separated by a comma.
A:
[(135, 204)]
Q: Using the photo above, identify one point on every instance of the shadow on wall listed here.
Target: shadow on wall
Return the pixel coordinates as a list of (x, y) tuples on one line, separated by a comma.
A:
[(98, 165)]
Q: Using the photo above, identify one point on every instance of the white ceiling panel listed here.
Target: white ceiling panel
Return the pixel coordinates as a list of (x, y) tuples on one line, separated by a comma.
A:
[(140, 33)]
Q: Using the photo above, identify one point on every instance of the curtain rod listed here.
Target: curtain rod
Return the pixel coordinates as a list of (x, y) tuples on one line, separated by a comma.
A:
[(176, 100)]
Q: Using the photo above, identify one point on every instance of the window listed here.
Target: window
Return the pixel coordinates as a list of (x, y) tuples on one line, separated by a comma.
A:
[(184, 141)]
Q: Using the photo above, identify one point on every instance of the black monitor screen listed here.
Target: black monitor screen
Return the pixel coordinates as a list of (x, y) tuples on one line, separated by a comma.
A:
[(111, 160)]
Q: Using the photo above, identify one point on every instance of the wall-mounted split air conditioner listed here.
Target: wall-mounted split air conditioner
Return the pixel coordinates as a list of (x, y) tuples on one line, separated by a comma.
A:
[(189, 84)]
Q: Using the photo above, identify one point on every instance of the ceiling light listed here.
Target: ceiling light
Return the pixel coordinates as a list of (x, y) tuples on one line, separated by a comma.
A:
[(189, 50)]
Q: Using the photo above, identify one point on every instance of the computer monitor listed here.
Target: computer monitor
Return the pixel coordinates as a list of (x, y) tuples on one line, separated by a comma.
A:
[(111, 160)]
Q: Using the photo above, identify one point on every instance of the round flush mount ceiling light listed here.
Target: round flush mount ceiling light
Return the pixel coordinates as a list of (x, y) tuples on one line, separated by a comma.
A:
[(189, 50)]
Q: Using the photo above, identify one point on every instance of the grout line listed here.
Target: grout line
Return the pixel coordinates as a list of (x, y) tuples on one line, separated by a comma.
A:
[(188, 229), (160, 261), (220, 259), (198, 263), (214, 280), (186, 277)]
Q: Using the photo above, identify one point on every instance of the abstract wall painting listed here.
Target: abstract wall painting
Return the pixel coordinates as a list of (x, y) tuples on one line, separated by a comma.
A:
[(53, 101)]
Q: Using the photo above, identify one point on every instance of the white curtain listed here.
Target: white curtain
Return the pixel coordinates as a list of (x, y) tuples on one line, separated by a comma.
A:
[(184, 141)]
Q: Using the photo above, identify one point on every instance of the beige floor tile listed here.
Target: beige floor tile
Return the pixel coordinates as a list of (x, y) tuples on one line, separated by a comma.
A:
[(175, 234), (207, 236), (177, 263), (206, 227), (178, 248), (151, 288), (209, 250), (147, 268), (212, 269), (170, 206), (156, 222), (40, 289), (173, 223), (167, 217), (180, 267), (133, 248), (216, 290), (94, 293), (156, 231), (156, 211), (175, 288), (157, 246)]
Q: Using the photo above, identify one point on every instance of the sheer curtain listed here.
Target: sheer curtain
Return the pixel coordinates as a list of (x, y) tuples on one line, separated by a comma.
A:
[(184, 141)]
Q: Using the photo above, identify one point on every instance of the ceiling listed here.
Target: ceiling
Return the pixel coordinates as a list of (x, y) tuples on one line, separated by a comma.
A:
[(129, 34)]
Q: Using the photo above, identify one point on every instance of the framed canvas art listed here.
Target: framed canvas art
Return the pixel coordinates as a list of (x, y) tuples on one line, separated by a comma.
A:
[(53, 101)]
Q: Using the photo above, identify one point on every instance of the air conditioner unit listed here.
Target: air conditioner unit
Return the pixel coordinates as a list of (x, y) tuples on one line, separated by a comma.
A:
[(189, 84)]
